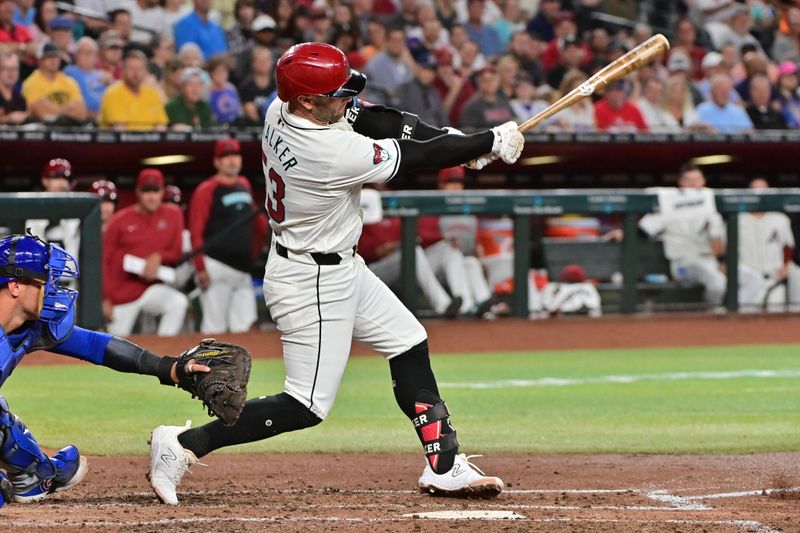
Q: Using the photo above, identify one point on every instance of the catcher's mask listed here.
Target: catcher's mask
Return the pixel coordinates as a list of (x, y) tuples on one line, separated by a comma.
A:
[(29, 257)]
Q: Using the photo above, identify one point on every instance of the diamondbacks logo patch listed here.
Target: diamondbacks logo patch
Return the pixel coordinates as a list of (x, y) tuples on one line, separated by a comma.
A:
[(381, 155)]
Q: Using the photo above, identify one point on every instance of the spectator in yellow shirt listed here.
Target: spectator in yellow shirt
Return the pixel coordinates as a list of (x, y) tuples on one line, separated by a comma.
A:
[(130, 104), (51, 95)]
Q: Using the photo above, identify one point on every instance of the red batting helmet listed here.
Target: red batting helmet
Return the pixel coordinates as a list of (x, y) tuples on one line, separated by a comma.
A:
[(57, 168), (173, 194), (105, 189), (317, 69)]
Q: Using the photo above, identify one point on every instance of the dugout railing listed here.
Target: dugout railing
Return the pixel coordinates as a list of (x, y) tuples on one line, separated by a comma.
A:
[(521, 205), (16, 208)]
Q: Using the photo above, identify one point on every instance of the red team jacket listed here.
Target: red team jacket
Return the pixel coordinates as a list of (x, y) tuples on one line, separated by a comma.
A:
[(388, 230), (133, 232)]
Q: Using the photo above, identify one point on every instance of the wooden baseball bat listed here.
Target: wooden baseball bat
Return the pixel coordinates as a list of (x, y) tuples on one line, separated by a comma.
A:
[(633, 60)]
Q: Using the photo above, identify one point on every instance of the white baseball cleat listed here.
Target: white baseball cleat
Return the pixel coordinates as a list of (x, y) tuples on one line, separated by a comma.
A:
[(464, 480), (169, 461)]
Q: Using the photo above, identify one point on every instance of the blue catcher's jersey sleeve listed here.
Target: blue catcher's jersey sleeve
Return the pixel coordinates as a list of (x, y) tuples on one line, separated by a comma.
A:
[(84, 344)]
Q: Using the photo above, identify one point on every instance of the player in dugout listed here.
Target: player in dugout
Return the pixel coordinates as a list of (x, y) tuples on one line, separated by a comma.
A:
[(316, 286)]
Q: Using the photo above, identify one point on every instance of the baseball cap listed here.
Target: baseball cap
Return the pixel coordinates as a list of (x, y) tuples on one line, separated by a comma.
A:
[(572, 274), (47, 50), (150, 179), (263, 22), (679, 62), (786, 68), (711, 60), (191, 72), (111, 39), (60, 23), (225, 147), (423, 57), (572, 41), (443, 57), (451, 175)]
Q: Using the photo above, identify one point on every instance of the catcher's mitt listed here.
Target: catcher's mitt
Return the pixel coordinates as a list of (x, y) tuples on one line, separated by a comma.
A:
[(223, 390)]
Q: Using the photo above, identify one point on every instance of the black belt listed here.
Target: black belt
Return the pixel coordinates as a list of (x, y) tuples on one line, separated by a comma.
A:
[(319, 258)]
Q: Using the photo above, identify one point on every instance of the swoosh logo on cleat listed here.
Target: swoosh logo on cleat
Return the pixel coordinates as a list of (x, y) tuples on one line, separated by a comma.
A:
[(170, 457)]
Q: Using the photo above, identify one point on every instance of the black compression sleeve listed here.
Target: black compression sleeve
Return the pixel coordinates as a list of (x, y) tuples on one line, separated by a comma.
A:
[(444, 151), (381, 122), (124, 356)]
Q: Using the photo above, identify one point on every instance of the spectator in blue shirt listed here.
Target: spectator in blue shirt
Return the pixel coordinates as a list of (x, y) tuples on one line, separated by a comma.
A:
[(486, 36), (223, 96), (197, 28), (92, 81), (719, 113)]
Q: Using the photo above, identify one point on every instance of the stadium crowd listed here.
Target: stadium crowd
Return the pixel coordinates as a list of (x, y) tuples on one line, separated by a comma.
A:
[(152, 65)]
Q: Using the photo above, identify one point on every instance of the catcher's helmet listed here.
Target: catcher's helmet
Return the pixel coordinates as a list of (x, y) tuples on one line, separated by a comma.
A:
[(57, 168), (105, 189), (317, 69), (24, 256)]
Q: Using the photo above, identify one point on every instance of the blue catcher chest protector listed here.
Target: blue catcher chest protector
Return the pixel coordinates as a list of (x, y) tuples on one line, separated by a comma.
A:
[(29, 257)]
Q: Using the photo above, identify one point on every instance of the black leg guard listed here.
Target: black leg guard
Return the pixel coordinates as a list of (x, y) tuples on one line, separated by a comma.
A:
[(261, 419), (418, 396)]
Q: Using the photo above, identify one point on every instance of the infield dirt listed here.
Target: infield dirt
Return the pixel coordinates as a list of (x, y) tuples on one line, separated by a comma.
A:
[(375, 492)]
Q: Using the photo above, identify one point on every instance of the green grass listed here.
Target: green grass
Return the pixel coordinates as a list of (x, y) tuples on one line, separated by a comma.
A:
[(105, 412)]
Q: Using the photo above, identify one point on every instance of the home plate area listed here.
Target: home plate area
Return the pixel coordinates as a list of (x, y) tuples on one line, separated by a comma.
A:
[(353, 492)]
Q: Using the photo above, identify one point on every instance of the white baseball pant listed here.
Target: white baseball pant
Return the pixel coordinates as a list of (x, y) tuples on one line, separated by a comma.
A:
[(160, 300), (320, 309), (706, 272), (228, 303), (466, 281)]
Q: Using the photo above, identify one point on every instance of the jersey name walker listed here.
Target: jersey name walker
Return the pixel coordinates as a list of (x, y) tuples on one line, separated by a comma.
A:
[(314, 176)]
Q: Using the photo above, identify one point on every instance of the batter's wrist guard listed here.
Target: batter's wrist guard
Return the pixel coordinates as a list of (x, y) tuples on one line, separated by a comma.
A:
[(433, 427)]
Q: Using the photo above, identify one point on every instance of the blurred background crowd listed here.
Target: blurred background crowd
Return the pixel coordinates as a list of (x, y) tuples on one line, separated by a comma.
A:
[(156, 64)]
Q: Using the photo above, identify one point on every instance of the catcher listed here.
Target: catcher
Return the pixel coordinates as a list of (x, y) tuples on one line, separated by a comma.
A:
[(37, 313)]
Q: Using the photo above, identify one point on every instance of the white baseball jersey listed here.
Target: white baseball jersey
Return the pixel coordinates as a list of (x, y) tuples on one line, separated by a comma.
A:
[(687, 239), (314, 175), (762, 240)]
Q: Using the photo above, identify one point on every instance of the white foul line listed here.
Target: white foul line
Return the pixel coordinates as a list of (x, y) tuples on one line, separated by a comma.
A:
[(625, 378)]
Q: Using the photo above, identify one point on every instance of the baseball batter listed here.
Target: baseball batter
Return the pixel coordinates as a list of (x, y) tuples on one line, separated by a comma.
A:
[(317, 288)]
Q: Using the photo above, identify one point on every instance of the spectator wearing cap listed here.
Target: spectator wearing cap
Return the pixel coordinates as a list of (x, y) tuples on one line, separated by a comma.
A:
[(486, 36), (57, 177), (147, 19), (764, 112), (60, 32), (226, 223), (571, 57), (543, 22), (786, 46), (258, 90), (686, 41), (13, 36), (419, 96), (149, 231), (712, 64), (111, 54), (788, 99), (132, 104), (13, 109), (527, 51), (51, 95), (389, 69), (488, 107), (719, 113), (615, 113), (454, 89), (679, 65), (107, 192), (223, 96), (196, 27), (92, 81), (189, 109)]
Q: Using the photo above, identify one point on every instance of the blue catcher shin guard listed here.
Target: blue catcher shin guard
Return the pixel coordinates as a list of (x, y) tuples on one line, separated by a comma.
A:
[(6, 490)]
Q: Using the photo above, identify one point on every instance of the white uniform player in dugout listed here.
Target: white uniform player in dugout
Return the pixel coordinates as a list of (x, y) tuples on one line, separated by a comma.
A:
[(317, 288)]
